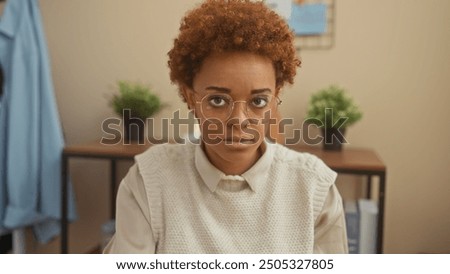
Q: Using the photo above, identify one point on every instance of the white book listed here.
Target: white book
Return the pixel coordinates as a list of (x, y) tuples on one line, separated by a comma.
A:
[(368, 212), (352, 225)]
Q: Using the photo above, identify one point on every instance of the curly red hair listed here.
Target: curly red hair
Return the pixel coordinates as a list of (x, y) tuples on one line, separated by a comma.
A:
[(232, 25)]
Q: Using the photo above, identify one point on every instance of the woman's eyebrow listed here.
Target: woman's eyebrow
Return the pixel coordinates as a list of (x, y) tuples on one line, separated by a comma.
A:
[(227, 90), (261, 90), (220, 89)]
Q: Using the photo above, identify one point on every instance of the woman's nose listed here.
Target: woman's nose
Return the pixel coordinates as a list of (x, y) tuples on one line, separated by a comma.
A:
[(239, 113), (239, 109)]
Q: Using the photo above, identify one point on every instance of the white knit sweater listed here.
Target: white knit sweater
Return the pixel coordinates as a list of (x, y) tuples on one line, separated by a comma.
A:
[(272, 208)]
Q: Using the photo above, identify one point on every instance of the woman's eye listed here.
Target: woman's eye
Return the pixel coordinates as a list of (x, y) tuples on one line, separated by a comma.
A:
[(217, 101), (260, 102)]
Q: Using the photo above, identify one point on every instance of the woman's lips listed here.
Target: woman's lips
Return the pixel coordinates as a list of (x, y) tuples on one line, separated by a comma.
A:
[(242, 140)]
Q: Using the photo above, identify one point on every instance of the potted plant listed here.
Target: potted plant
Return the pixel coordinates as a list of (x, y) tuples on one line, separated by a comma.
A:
[(135, 103), (332, 110)]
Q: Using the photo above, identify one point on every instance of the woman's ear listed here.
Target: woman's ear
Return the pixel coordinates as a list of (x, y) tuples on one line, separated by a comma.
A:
[(188, 95)]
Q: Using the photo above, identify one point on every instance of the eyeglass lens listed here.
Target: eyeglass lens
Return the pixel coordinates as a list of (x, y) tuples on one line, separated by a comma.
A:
[(221, 106)]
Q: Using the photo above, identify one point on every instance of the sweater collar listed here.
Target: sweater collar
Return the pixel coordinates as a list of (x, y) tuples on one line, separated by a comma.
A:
[(256, 176)]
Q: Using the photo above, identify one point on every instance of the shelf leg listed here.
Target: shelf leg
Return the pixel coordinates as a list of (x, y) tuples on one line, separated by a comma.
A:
[(64, 190), (369, 187), (381, 201), (113, 189)]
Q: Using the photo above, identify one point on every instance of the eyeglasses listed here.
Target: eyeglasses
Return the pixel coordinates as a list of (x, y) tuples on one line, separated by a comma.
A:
[(220, 106)]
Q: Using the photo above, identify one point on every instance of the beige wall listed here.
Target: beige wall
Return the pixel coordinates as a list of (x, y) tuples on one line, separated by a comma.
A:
[(393, 56)]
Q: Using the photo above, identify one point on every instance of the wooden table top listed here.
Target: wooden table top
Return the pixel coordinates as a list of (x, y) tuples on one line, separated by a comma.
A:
[(348, 158), (97, 149)]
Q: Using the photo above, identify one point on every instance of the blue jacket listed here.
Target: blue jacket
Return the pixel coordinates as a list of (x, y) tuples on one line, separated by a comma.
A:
[(31, 139)]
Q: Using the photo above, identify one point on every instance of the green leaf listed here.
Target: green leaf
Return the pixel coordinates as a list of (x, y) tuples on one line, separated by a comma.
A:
[(141, 101), (335, 98)]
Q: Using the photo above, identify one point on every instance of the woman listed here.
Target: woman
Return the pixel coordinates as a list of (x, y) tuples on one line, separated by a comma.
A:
[(235, 192)]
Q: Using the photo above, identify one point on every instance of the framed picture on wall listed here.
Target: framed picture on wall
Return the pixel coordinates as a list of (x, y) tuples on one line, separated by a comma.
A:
[(312, 21)]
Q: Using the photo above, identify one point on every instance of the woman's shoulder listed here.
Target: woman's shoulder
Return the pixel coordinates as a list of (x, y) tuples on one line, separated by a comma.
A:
[(290, 156), (162, 154), (302, 162)]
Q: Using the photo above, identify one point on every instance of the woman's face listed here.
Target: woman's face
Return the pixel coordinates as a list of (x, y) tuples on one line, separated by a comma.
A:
[(232, 95)]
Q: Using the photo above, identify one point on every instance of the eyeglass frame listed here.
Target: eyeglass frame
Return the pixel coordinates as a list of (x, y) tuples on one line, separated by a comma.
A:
[(277, 100)]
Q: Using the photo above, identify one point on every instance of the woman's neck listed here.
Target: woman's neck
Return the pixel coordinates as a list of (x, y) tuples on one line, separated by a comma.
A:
[(234, 163)]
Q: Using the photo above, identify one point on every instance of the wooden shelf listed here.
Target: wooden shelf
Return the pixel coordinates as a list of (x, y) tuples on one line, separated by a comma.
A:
[(348, 159)]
